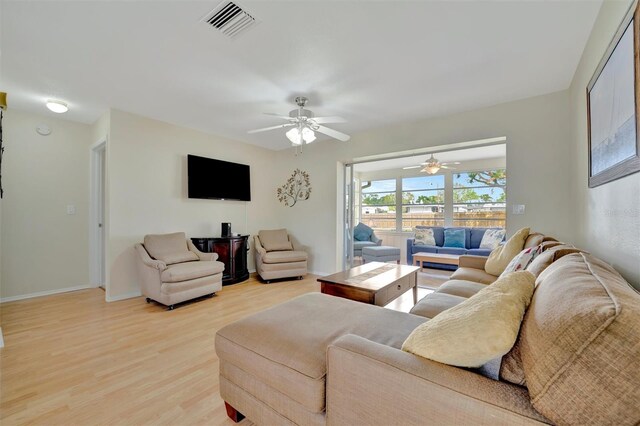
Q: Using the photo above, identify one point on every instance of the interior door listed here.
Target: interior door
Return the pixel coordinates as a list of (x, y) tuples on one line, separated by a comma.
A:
[(102, 269)]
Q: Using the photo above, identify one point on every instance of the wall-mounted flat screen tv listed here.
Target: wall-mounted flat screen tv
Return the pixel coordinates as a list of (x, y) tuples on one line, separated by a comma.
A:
[(217, 179)]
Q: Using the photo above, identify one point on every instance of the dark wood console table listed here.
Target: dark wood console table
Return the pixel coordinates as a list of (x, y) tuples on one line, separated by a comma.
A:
[(232, 251)]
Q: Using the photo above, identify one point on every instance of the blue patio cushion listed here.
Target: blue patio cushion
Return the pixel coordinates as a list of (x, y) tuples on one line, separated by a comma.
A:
[(362, 232), (381, 251), (479, 252), (361, 244), (438, 233), (424, 249), (452, 250)]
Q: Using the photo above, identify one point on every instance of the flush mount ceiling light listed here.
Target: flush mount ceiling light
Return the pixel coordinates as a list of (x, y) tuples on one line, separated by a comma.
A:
[(58, 107)]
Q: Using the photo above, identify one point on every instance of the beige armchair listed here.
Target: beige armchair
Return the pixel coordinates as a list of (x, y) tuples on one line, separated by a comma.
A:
[(172, 269), (276, 257)]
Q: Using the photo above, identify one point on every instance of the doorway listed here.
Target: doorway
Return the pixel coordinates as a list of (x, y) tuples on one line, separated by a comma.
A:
[(461, 185), (98, 216)]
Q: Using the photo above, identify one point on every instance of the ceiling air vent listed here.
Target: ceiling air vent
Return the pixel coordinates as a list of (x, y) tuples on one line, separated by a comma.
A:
[(230, 19)]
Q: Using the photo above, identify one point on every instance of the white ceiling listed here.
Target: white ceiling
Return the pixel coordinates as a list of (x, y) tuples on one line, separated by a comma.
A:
[(373, 62), (462, 155)]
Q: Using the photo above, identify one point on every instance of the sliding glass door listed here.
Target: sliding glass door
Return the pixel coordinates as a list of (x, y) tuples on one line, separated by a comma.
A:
[(349, 215)]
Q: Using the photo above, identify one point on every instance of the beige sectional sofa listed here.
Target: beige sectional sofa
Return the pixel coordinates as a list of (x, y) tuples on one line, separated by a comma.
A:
[(319, 359)]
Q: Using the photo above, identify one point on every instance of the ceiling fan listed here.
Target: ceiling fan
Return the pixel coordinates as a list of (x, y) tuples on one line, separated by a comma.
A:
[(304, 124), (432, 165)]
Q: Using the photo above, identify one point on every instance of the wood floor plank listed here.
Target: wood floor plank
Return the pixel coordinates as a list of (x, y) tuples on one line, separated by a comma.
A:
[(73, 359)]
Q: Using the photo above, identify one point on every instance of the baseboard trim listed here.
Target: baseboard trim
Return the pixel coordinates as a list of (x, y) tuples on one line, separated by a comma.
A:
[(44, 293), (322, 274), (123, 296)]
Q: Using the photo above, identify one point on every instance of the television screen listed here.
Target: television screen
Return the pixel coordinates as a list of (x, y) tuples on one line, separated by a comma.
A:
[(217, 179)]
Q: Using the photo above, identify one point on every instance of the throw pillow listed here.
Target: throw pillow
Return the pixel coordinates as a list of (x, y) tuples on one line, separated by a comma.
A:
[(501, 256), (540, 263), (275, 240), (492, 238), (424, 237), (362, 232), (522, 260), (454, 238), (481, 328)]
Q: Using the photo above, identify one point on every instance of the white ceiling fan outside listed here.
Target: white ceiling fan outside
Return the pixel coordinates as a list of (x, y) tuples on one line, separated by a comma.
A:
[(432, 166)]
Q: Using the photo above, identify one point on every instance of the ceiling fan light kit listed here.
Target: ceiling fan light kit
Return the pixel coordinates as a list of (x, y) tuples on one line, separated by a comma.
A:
[(304, 124)]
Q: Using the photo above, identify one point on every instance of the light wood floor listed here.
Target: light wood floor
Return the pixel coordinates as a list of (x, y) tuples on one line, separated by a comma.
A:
[(73, 359)]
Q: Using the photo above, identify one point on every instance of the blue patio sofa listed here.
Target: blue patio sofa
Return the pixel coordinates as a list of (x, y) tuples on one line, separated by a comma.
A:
[(473, 237)]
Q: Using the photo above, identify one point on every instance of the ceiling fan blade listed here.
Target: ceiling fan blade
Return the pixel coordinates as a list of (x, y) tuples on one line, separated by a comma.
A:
[(273, 114), (447, 167), (450, 162), (333, 133), (328, 120), (411, 167), (264, 129)]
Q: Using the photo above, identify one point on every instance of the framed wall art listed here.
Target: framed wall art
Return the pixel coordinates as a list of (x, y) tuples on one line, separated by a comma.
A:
[(613, 106)]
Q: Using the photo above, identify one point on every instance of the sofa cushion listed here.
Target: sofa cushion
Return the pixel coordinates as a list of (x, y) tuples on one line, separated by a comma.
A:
[(500, 257), (438, 233), (284, 256), (183, 256), (454, 238), (476, 237), (479, 252), (161, 246), (275, 240), (481, 328), (424, 249), (434, 303), (452, 250), (191, 270), (285, 346), (460, 288), (473, 274), (580, 344)]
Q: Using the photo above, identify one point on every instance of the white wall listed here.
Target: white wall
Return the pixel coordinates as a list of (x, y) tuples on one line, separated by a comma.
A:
[(148, 193), (538, 154), (43, 248), (606, 219)]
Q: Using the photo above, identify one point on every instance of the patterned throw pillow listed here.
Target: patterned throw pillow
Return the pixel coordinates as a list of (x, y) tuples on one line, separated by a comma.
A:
[(424, 237), (492, 238), (522, 260)]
